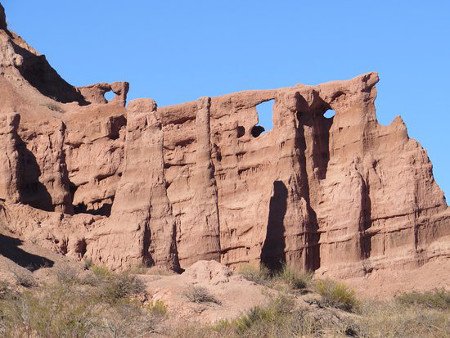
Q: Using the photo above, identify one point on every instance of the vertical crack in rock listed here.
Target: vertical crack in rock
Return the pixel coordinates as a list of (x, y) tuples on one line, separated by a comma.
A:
[(140, 229), (202, 217)]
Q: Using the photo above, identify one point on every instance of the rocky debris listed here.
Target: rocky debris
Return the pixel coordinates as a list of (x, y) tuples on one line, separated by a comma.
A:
[(145, 185)]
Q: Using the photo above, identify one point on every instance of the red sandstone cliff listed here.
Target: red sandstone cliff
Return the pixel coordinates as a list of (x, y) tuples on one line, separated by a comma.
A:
[(138, 184)]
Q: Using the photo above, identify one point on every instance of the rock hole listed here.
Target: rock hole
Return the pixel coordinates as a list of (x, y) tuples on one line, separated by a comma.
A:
[(265, 123), (109, 96), (329, 114), (240, 131), (257, 130)]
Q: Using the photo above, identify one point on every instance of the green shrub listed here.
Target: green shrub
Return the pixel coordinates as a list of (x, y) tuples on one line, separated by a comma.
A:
[(336, 294), (435, 299), (273, 314), (197, 294), (118, 287), (296, 280)]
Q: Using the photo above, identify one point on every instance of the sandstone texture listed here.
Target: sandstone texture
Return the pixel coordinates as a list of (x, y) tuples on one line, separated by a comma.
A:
[(136, 184)]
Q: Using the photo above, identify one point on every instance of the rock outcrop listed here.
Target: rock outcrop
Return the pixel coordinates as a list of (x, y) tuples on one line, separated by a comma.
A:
[(135, 184)]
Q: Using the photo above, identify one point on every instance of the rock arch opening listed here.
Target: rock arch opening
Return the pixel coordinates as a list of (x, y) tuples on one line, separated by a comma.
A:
[(109, 96), (329, 114), (265, 113)]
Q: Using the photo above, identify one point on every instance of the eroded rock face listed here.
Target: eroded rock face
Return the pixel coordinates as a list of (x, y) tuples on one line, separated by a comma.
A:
[(138, 184)]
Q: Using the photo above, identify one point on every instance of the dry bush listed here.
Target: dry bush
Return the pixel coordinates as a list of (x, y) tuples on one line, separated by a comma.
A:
[(118, 287), (258, 275), (157, 308), (294, 279), (336, 294), (198, 294), (25, 278)]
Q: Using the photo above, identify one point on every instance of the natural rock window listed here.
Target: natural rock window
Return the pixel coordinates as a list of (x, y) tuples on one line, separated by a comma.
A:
[(109, 96), (265, 112), (329, 114)]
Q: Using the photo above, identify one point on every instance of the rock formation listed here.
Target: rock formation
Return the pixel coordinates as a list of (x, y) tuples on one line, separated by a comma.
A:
[(135, 184)]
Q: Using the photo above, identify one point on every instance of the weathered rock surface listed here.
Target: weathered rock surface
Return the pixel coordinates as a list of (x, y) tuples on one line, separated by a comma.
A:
[(138, 184)]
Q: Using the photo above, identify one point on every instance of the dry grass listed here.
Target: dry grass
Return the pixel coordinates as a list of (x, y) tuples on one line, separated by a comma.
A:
[(392, 319), (101, 304), (336, 294), (435, 299)]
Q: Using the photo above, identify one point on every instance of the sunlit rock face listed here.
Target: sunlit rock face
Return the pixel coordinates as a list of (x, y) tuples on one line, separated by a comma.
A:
[(127, 185)]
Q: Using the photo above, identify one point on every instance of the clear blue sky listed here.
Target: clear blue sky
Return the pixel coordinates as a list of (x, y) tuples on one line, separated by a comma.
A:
[(176, 51)]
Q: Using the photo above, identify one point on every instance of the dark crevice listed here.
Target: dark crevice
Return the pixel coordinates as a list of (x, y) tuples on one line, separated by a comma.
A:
[(147, 257), (273, 254), (104, 210), (115, 124), (312, 234), (32, 191), (365, 221)]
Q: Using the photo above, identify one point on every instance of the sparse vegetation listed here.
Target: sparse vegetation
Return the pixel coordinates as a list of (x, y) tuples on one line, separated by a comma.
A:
[(296, 280), (54, 107), (436, 299), (25, 278), (259, 275), (99, 304), (87, 262), (198, 294), (279, 318), (394, 319), (336, 294), (293, 279), (158, 308)]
